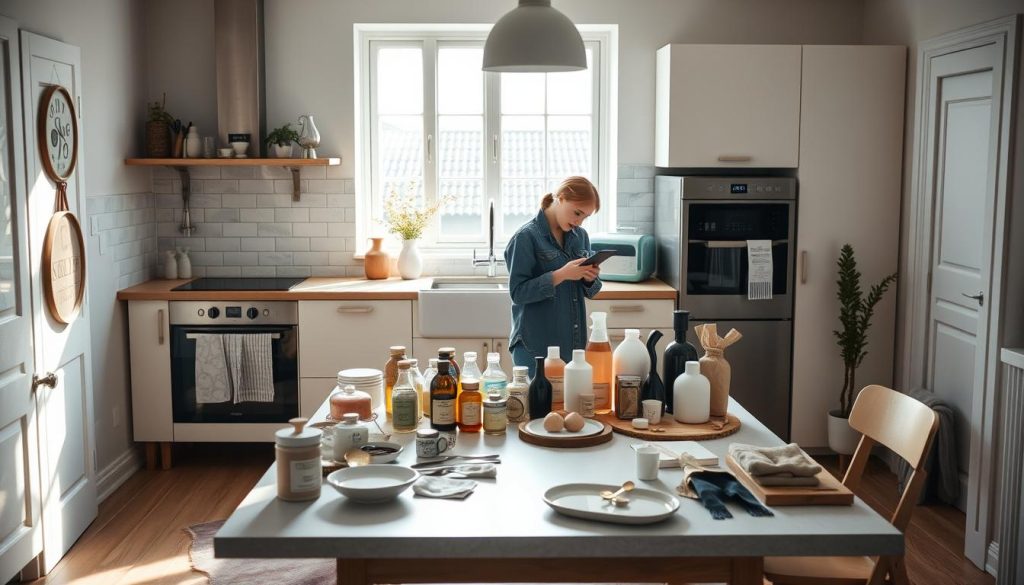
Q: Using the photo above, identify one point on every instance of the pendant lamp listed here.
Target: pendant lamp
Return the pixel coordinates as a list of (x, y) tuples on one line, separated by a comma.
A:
[(534, 37)]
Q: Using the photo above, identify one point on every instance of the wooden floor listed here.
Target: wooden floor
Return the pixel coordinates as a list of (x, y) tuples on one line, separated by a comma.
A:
[(138, 538)]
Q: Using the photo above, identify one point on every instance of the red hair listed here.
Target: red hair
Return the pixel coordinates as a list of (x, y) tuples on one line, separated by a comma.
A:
[(576, 188)]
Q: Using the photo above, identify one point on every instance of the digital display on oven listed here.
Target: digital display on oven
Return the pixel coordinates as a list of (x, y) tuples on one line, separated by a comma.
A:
[(738, 188), (233, 312)]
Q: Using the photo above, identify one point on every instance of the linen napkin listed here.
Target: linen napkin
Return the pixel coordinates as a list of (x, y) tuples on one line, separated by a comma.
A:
[(713, 487), (443, 487), (774, 460)]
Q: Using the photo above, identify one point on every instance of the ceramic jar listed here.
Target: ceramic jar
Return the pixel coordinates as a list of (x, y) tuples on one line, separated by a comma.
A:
[(184, 264), (410, 264), (347, 400), (193, 143), (297, 453), (170, 265), (376, 262), (691, 396), (348, 434)]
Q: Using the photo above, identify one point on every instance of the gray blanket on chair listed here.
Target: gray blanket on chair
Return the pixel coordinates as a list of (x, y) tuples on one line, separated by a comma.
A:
[(943, 473)]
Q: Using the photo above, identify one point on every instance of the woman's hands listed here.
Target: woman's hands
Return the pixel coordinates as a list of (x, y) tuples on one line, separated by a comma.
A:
[(574, 271)]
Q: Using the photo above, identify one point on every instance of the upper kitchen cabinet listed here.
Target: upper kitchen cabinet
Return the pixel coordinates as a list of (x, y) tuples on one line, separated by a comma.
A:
[(727, 106)]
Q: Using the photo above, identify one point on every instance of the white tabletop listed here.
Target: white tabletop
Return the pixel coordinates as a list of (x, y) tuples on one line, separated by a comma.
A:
[(507, 517)]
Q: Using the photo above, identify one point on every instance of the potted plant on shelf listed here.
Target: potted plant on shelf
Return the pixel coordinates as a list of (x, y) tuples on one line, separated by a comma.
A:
[(158, 130), (405, 217), (282, 139), (855, 314)]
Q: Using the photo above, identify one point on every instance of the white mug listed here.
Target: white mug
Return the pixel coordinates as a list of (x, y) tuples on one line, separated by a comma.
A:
[(430, 443), (647, 463), (652, 411)]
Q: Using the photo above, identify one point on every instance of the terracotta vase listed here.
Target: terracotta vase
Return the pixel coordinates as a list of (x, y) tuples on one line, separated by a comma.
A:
[(376, 262)]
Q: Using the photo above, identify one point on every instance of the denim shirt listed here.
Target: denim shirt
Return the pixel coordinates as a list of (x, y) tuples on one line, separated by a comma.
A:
[(544, 314)]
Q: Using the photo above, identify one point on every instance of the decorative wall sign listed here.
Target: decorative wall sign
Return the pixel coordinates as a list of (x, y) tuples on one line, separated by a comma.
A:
[(63, 268)]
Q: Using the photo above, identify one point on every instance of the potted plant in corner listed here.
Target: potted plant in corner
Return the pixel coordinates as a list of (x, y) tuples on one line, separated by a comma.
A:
[(855, 313), (282, 139), (406, 218), (158, 130)]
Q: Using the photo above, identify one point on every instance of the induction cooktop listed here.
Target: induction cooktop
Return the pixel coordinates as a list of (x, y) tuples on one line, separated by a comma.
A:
[(240, 284)]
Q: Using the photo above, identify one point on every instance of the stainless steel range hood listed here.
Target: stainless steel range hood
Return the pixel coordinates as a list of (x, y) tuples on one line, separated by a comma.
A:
[(241, 100)]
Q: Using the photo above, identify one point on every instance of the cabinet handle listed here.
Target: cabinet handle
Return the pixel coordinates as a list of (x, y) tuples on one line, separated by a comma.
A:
[(363, 309), (430, 148), (494, 148), (734, 158), (160, 326), (803, 266), (497, 347), (487, 349), (626, 309)]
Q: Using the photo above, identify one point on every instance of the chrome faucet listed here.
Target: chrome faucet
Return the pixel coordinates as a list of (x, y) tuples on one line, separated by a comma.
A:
[(491, 261)]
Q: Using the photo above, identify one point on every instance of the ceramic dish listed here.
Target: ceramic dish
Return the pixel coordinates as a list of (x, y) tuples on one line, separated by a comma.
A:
[(583, 500), (590, 427), (371, 484), (382, 451)]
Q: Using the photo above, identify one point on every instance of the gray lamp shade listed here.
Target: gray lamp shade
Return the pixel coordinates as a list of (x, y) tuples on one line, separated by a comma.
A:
[(534, 37)]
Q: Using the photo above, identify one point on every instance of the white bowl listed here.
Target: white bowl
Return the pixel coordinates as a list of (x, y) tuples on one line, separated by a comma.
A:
[(371, 484), (240, 147)]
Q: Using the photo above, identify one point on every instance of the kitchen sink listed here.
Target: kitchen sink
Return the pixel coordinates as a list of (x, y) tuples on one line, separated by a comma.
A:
[(465, 307)]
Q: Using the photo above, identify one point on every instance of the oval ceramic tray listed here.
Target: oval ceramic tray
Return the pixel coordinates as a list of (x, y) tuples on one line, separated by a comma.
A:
[(583, 500), (590, 427)]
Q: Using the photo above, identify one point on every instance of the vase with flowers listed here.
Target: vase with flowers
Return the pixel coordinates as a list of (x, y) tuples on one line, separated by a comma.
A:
[(406, 217)]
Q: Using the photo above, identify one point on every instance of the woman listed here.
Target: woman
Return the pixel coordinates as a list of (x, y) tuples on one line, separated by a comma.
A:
[(547, 282)]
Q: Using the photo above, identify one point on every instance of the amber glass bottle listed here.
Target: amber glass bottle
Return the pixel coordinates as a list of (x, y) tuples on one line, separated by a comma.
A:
[(470, 406), (443, 390), (599, 356), (448, 354), (391, 374)]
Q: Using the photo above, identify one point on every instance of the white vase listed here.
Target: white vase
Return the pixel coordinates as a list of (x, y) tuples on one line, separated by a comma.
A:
[(193, 144), (691, 396), (410, 264), (283, 151), (842, 438), (578, 378), (170, 265), (184, 264)]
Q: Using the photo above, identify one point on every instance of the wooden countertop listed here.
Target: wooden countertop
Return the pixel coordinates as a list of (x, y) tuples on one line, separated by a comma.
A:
[(358, 289)]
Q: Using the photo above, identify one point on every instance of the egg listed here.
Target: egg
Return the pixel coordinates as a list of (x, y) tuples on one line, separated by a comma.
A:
[(553, 422), (574, 422)]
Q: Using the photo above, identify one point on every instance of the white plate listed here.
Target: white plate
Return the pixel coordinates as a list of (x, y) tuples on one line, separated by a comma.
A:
[(372, 484), (590, 427), (583, 500)]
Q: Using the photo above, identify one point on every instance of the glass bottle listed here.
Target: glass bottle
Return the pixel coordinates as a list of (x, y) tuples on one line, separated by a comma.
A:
[(405, 401), (448, 353), (494, 379), (518, 405), (677, 353), (470, 406), (428, 376), (469, 371), (391, 374), (443, 391), (540, 392), (495, 414), (417, 383), (599, 356), (554, 370)]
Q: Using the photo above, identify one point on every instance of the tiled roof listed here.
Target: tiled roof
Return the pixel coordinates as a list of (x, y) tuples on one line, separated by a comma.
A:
[(460, 165)]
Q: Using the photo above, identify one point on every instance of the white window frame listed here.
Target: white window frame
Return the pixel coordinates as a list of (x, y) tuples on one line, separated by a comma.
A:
[(604, 40)]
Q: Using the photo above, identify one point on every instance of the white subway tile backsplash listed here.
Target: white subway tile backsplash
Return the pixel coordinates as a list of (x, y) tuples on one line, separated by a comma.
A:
[(276, 258), (255, 186), (259, 271), (274, 229), (291, 215), (274, 200), (228, 215), (224, 271), (207, 258), (337, 230), (286, 186), (311, 200), (256, 215), (222, 244), (236, 230), (238, 200), (257, 244), (341, 200), (221, 186), (310, 230), (241, 258), (328, 271), (327, 244), (237, 172), (310, 258), (293, 244), (294, 271)]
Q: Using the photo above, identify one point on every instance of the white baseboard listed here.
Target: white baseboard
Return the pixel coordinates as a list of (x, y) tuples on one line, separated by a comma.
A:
[(112, 476), (992, 559)]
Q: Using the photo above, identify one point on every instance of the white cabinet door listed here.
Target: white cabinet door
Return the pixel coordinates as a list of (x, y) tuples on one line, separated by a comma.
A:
[(636, 314), (149, 342), (334, 335), (313, 392), (727, 106), (851, 143)]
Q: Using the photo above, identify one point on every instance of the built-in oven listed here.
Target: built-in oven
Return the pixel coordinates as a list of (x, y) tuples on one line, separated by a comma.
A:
[(189, 320)]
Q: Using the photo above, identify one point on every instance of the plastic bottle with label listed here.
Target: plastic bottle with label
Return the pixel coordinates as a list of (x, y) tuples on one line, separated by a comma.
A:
[(579, 379), (518, 405), (494, 379), (554, 370), (599, 356)]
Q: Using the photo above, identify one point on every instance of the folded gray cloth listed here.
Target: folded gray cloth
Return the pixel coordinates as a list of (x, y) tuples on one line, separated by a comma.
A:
[(786, 480), (443, 487), (943, 471), (774, 460)]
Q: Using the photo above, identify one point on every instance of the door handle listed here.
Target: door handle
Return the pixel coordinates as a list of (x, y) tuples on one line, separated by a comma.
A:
[(160, 326), (734, 158), (626, 309), (50, 379), (803, 266), (980, 297), (355, 309)]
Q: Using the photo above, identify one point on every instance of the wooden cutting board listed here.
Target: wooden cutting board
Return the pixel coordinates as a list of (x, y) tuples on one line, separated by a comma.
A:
[(829, 492), (674, 431), (568, 441)]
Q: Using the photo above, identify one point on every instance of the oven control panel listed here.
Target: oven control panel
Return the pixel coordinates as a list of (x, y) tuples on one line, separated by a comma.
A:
[(233, 312)]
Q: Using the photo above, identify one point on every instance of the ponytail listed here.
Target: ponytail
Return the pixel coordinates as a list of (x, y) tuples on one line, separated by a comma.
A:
[(546, 201)]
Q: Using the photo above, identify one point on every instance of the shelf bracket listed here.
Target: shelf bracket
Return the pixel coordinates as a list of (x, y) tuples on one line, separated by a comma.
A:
[(296, 193), (186, 226)]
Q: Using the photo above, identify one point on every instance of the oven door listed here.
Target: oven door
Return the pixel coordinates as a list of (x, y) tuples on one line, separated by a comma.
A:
[(284, 354), (714, 257)]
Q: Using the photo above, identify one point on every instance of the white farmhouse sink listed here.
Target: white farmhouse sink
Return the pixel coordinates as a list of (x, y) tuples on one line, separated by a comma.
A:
[(465, 307)]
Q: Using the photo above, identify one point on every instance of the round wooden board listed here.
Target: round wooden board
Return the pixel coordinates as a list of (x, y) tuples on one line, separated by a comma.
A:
[(674, 431), (567, 442), (63, 267)]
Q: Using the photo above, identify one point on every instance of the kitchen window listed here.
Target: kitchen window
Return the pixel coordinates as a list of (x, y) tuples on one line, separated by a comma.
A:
[(435, 125)]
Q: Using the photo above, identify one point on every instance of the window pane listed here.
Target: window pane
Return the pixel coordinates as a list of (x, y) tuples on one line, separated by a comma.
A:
[(569, 146), (522, 146), (460, 81), (462, 216), (399, 81), (400, 152), (521, 199), (569, 92), (460, 174), (522, 93)]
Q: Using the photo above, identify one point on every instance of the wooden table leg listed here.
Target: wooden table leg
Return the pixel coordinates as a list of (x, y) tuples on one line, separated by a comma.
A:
[(352, 572), (151, 456), (747, 571), (165, 455)]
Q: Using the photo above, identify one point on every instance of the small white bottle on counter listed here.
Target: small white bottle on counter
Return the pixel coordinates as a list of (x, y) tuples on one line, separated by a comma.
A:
[(349, 434), (691, 396), (579, 380), (518, 404)]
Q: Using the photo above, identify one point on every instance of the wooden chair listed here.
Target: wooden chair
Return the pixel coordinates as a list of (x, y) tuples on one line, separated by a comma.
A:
[(905, 426)]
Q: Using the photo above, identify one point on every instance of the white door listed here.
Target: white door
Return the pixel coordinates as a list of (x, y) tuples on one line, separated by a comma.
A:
[(20, 536), (965, 131), (65, 410)]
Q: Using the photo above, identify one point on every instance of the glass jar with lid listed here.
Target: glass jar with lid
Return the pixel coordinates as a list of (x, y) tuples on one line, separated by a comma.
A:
[(495, 417), (297, 455), (346, 398)]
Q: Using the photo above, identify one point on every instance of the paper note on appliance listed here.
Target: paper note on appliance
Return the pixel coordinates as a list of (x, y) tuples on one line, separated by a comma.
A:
[(759, 270)]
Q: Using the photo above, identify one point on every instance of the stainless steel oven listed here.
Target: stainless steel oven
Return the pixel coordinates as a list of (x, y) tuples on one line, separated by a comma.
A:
[(189, 319), (702, 227)]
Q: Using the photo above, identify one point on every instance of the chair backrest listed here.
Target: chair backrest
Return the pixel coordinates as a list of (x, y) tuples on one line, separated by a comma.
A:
[(904, 425)]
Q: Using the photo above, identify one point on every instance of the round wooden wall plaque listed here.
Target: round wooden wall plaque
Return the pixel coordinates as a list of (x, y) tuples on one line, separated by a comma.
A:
[(64, 266)]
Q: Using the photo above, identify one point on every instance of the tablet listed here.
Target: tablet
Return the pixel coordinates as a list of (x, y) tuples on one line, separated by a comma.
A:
[(599, 257)]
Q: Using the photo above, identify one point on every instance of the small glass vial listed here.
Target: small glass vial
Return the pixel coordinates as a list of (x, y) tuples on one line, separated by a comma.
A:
[(470, 404), (405, 401), (517, 408), (495, 414), (297, 451)]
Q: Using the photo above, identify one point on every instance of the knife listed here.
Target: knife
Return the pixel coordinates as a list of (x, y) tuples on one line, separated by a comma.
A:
[(462, 458)]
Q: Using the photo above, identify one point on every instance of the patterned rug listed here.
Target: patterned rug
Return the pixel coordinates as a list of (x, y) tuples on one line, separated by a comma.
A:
[(253, 571)]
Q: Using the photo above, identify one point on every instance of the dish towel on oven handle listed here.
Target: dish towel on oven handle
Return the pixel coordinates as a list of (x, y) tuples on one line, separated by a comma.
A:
[(255, 367), (213, 383), (759, 270)]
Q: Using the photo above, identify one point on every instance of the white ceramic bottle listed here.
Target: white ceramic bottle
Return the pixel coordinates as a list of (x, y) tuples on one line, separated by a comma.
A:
[(170, 265), (578, 379), (630, 358), (184, 264), (193, 143), (691, 396)]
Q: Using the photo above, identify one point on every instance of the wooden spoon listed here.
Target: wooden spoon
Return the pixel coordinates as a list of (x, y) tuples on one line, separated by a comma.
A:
[(610, 495)]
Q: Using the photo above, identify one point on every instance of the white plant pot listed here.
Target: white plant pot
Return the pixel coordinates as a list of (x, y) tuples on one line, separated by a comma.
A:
[(410, 264), (283, 151), (842, 438)]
